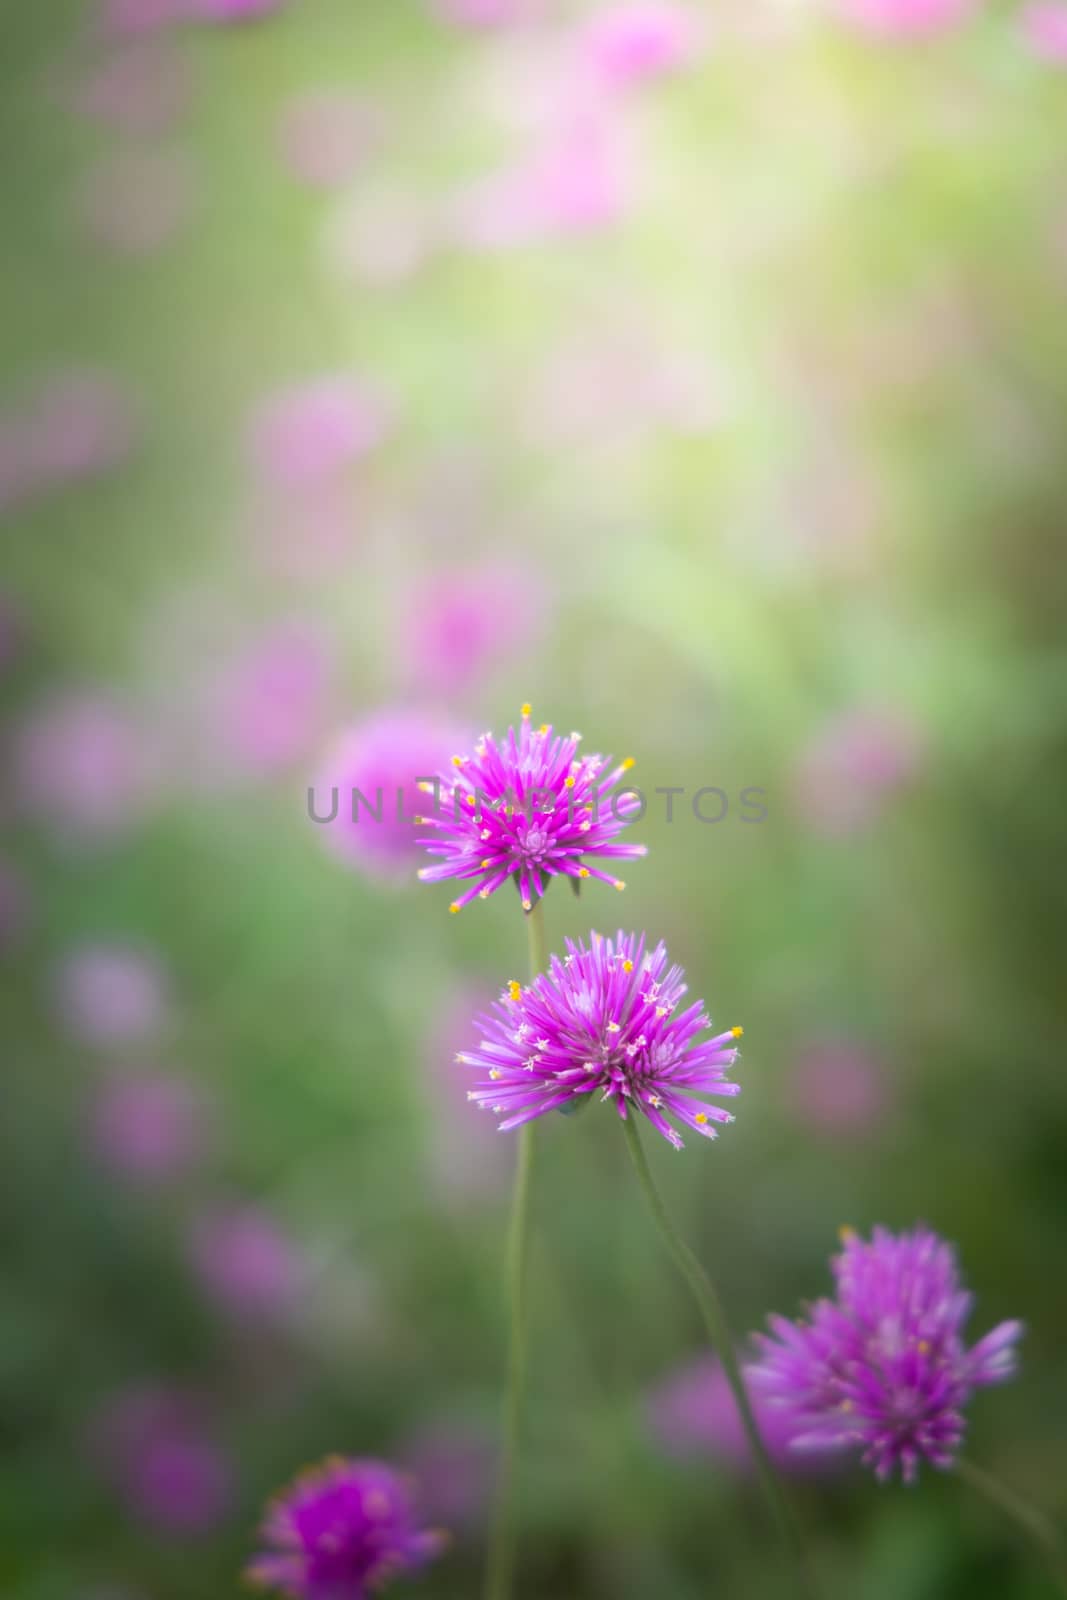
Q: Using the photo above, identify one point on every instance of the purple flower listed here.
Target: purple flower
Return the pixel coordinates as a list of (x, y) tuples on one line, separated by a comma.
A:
[(381, 760), (460, 622), (531, 808), (603, 1018), (80, 765), (839, 1090), (157, 1447), (692, 1414), (453, 1462), (112, 995), (307, 435), (639, 40), (856, 762), (148, 1126), (246, 1263), (270, 700), (1045, 26), (906, 18), (342, 1531), (883, 1368)]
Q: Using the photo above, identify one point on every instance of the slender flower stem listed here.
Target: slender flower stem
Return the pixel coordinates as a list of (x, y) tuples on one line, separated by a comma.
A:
[(718, 1330), (501, 1568), (1037, 1527)]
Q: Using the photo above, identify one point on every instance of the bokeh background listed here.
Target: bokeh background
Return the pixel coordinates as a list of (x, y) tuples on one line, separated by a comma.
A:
[(696, 371)]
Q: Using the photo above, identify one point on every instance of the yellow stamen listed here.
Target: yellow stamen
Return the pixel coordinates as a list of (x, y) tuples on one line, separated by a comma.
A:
[(737, 1032), (514, 989), (527, 905), (627, 966), (483, 894), (619, 884), (568, 783), (543, 729), (470, 799), (457, 761), (846, 1233), (847, 1405), (527, 708), (488, 862), (583, 872), (924, 1347), (628, 763), (454, 907), (494, 1073), (701, 1117)]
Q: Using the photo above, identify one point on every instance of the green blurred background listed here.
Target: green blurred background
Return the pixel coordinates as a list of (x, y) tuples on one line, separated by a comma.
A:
[(365, 360)]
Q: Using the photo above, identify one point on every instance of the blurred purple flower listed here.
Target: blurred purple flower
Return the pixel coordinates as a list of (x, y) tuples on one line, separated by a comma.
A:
[(112, 994), (382, 757), (341, 1531), (76, 424), (467, 1159), (142, 88), (461, 622), (858, 760), (692, 1414), (80, 766), (271, 701), (629, 43), (883, 1369), (156, 1446), (135, 201), (604, 1020), (906, 18), (453, 1464), (838, 1089), (309, 433), (325, 136), (14, 905), (140, 16), (148, 1126), (246, 1264), (1045, 26)]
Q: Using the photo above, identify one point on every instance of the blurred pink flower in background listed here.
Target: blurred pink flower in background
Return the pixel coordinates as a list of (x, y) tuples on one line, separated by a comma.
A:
[(142, 88), (468, 1158), (271, 701), (853, 766), (230, 10), (453, 1464), (907, 18), (485, 13), (387, 752), (309, 433), (14, 905), (135, 201), (156, 1446), (80, 766), (692, 1415), (148, 1126), (140, 16), (112, 994), (246, 1264), (459, 623), (1045, 26), (838, 1089), (326, 135), (75, 424), (630, 43)]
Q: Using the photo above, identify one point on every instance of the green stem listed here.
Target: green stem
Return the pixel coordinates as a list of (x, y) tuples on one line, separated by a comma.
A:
[(722, 1343), (501, 1566), (1034, 1524)]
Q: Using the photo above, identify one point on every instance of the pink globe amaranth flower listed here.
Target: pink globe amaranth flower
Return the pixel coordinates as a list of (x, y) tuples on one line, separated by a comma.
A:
[(135, 201), (854, 764), (692, 1414), (80, 766), (271, 701), (529, 808), (882, 1369), (341, 1532), (1044, 25), (906, 18), (148, 1126), (156, 1445), (306, 435), (246, 1264), (369, 778), (838, 1089), (326, 135), (638, 40), (453, 1463), (112, 994), (459, 623), (603, 1019)]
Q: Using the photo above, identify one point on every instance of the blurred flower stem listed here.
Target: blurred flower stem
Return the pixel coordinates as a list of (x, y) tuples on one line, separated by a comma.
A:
[(718, 1330), (501, 1565), (1037, 1527)]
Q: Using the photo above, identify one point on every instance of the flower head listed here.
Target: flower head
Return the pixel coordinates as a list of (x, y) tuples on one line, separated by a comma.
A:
[(528, 807), (883, 1368), (603, 1018), (342, 1530)]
